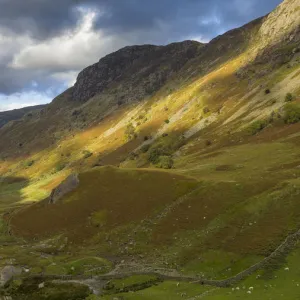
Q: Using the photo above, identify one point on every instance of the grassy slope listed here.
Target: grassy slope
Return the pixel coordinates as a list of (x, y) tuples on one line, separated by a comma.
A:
[(243, 190)]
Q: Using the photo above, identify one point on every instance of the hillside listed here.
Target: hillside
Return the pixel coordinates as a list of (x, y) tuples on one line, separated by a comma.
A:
[(11, 115), (169, 171)]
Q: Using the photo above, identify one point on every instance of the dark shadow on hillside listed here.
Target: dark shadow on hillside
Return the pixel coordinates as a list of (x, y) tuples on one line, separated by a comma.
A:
[(10, 192)]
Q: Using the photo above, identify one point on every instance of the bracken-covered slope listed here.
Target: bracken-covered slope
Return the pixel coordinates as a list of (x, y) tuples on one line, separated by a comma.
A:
[(203, 140)]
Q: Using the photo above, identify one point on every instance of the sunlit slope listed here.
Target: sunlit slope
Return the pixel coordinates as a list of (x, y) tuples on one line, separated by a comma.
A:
[(226, 125)]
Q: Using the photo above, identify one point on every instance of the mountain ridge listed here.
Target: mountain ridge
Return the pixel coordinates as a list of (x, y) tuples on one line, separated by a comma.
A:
[(186, 160)]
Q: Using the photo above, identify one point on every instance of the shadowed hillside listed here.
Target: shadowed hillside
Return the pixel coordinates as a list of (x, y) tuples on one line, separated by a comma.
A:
[(11, 115)]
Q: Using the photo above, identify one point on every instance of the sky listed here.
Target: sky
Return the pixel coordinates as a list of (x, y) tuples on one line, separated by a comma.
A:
[(44, 44)]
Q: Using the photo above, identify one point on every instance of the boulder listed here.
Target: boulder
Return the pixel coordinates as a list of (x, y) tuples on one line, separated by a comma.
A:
[(68, 185), (7, 273)]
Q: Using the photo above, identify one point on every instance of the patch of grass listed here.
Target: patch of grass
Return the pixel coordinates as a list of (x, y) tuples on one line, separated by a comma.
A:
[(55, 270), (284, 284), (28, 290), (88, 265), (99, 218), (168, 290)]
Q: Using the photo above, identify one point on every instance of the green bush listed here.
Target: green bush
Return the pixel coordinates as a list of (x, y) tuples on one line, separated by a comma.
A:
[(165, 162), (206, 110), (29, 163), (292, 113), (132, 156), (208, 143), (257, 126), (289, 97), (145, 148), (167, 121), (87, 154), (165, 146), (59, 167), (154, 155), (130, 133)]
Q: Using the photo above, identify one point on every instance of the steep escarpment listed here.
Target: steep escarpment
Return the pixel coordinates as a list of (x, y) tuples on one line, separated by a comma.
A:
[(134, 72)]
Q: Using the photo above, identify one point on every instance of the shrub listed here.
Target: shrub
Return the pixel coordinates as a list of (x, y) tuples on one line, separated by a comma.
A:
[(154, 155), (292, 113), (165, 146), (146, 138), (29, 163), (267, 91), (289, 97), (206, 110), (59, 167), (165, 162), (257, 126), (208, 143), (167, 121), (130, 132), (76, 112), (132, 156), (145, 148), (87, 154)]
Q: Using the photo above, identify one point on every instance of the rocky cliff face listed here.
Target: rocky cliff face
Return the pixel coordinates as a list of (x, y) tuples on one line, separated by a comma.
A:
[(283, 24), (141, 69)]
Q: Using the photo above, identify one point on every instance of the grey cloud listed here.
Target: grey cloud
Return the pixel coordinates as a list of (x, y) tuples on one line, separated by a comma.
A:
[(44, 18), (125, 21)]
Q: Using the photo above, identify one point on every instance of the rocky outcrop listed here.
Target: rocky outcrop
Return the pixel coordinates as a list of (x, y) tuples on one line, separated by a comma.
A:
[(283, 24), (141, 69), (68, 185), (7, 273)]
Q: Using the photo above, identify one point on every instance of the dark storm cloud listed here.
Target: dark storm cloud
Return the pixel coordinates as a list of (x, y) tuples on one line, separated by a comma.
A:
[(43, 18)]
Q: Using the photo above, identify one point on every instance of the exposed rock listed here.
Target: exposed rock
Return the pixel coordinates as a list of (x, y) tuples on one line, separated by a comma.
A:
[(282, 24), (68, 185), (141, 69), (7, 273)]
